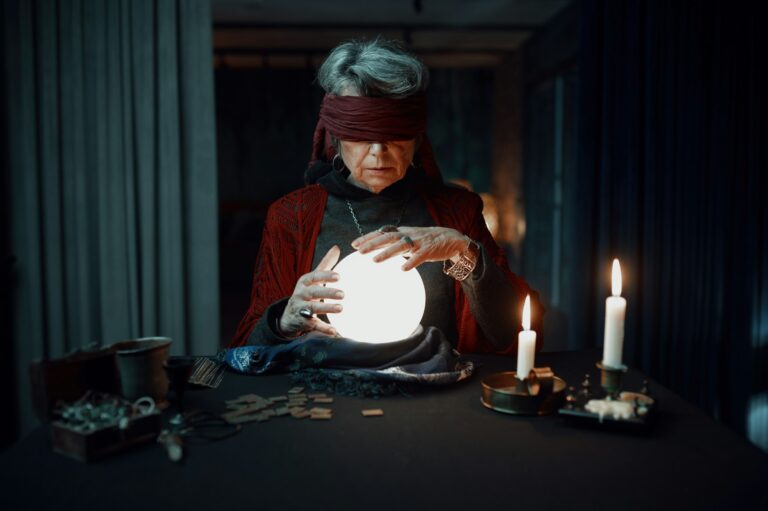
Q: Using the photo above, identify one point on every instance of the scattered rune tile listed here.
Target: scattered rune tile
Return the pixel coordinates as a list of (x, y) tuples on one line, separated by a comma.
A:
[(320, 416), (315, 396), (275, 399), (249, 398), (373, 412), (320, 409), (283, 410), (300, 414), (323, 400), (246, 410), (296, 390), (244, 419), (246, 400)]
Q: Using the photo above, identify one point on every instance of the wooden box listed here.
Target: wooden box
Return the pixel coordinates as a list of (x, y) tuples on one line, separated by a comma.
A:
[(67, 379), (105, 441)]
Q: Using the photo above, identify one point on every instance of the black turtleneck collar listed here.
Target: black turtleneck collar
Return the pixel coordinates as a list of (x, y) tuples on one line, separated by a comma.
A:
[(336, 183)]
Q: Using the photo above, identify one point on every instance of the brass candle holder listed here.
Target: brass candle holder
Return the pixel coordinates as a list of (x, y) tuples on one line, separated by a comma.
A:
[(610, 379), (540, 393)]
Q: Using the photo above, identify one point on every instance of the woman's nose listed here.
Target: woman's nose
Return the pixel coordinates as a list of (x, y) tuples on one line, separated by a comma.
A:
[(377, 147)]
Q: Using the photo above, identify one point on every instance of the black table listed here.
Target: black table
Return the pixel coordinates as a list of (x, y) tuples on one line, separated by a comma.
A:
[(438, 449)]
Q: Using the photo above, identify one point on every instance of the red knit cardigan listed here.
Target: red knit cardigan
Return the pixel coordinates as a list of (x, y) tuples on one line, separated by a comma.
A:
[(288, 246)]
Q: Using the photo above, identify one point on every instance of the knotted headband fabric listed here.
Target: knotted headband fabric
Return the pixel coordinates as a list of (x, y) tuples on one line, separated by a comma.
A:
[(360, 118)]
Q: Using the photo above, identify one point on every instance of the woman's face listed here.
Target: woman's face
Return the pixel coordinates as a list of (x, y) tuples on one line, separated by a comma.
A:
[(377, 165)]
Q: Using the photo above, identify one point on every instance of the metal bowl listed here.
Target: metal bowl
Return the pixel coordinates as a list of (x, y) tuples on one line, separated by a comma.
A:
[(505, 393)]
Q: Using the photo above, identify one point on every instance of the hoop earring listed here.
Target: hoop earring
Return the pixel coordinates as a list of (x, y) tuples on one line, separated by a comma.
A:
[(333, 163)]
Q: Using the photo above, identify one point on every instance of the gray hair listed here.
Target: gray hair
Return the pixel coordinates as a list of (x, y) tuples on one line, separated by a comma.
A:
[(376, 68)]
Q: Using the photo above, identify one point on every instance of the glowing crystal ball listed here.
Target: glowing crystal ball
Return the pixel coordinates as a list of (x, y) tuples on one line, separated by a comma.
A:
[(382, 303)]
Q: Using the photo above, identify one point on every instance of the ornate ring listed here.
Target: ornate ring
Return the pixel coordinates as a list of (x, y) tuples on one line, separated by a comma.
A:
[(408, 241), (305, 312), (387, 228)]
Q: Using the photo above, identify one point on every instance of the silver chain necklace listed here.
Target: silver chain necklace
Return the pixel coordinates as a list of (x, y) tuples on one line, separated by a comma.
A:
[(396, 224)]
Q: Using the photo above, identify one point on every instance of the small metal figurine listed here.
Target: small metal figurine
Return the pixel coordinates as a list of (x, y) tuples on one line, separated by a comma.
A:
[(585, 394), (570, 398)]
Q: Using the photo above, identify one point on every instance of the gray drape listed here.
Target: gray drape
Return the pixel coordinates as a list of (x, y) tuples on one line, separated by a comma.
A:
[(111, 147)]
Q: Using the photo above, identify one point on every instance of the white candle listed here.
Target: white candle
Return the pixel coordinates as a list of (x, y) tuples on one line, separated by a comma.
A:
[(615, 310), (526, 343)]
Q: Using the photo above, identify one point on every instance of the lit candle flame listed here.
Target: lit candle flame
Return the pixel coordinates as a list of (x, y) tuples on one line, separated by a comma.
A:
[(616, 278), (527, 313)]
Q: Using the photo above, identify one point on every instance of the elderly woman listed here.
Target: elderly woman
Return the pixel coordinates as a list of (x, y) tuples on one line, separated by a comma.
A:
[(374, 184)]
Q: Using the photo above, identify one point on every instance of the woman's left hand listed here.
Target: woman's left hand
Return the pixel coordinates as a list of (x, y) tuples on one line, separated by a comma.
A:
[(425, 244)]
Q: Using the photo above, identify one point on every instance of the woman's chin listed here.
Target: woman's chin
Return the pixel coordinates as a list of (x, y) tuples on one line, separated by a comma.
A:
[(377, 187), (378, 182)]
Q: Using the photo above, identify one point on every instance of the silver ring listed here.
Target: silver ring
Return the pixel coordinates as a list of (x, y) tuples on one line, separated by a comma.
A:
[(408, 241), (305, 312), (145, 405), (387, 228)]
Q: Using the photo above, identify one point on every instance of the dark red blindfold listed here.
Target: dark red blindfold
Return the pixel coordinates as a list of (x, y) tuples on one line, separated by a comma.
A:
[(374, 119), (369, 119)]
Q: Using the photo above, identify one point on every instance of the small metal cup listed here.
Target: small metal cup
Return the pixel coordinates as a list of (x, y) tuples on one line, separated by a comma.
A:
[(140, 364)]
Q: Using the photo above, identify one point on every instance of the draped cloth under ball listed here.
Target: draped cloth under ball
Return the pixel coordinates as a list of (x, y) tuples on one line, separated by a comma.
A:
[(349, 367)]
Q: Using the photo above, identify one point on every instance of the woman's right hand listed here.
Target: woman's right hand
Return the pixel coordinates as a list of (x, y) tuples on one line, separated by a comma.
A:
[(307, 294)]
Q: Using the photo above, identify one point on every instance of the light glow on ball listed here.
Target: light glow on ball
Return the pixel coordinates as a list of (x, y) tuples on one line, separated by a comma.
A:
[(382, 303)]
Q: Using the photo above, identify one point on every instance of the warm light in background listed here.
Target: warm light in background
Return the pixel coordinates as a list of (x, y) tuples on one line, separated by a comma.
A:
[(382, 303), (490, 207), (491, 213)]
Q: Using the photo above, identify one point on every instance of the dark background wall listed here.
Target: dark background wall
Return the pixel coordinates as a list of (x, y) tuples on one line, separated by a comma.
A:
[(549, 140), (264, 123)]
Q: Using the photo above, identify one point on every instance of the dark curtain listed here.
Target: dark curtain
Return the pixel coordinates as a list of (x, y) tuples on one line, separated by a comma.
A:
[(112, 159), (672, 180), (8, 428)]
